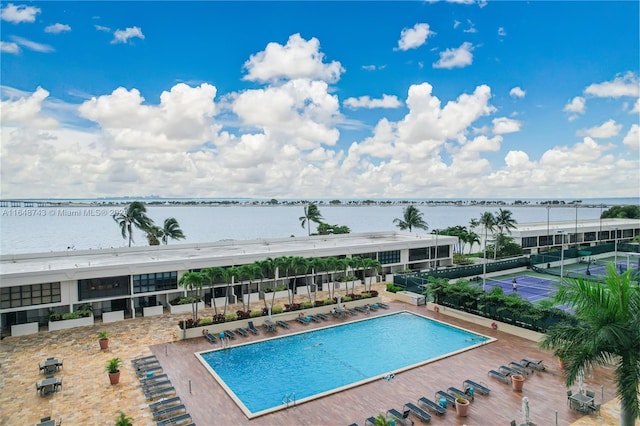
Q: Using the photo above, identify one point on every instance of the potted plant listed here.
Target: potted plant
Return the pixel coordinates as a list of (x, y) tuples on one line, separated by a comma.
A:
[(462, 406), (123, 420), (103, 339), (517, 380), (113, 368)]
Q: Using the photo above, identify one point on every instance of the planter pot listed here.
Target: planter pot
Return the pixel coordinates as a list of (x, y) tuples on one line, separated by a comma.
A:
[(70, 323), (517, 381), (561, 364), (114, 378), (185, 309), (462, 408), (104, 343)]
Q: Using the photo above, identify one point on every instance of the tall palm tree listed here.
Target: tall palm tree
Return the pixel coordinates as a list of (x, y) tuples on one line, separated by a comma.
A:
[(247, 272), (228, 275), (372, 265), (357, 263), (211, 275), (605, 330), (472, 238), (488, 222), (411, 218), (266, 269), (318, 265), (154, 233), (134, 216), (311, 214), (193, 281), (333, 263), (302, 266), (171, 229), (504, 221)]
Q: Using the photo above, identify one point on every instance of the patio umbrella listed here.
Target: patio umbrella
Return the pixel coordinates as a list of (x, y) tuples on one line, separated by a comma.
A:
[(525, 410), (580, 377)]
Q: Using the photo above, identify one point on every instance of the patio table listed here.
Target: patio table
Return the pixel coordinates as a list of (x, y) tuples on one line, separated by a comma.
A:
[(47, 423), (269, 325), (582, 399), (48, 385)]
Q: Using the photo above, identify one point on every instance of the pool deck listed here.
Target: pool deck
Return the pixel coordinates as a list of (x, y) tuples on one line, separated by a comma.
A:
[(87, 398)]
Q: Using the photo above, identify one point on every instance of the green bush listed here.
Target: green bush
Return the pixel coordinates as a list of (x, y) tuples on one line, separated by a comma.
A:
[(184, 300), (347, 278), (306, 305), (393, 288), (230, 317), (205, 321), (254, 314), (277, 310), (346, 299), (328, 302)]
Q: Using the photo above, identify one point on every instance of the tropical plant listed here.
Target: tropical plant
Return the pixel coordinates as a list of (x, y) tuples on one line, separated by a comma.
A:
[(333, 263), (210, 275), (605, 330), (103, 335), (488, 222), (504, 221), (411, 218), (622, 212), (154, 233), (113, 365), (266, 268), (171, 230), (134, 216), (374, 267), (228, 276), (123, 420), (326, 229), (311, 214), (193, 281), (381, 420)]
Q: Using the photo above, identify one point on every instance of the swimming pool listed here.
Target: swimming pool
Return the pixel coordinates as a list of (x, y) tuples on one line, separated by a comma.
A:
[(262, 376)]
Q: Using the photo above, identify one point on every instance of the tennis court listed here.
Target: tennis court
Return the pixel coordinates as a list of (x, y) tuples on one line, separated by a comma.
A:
[(528, 287), (599, 267)]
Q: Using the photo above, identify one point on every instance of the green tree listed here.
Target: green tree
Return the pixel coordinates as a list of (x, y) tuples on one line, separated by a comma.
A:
[(504, 221), (171, 229), (211, 275), (326, 229), (193, 281), (373, 266), (318, 265), (333, 263), (488, 222), (605, 330), (248, 272), (134, 216), (621, 212), (411, 218), (228, 276), (266, 269), (154, 233), (311, 214)]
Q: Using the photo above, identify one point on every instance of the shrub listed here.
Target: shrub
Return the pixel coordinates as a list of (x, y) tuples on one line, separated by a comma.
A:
[(306, 305), (218, 319), (230, 317), (393, 288), (184, 300), (329, 302), (373, 293), (242, 314), (346, 299), (347, 278), (205, 321), (292, 307), (277, 310), (254, 314)]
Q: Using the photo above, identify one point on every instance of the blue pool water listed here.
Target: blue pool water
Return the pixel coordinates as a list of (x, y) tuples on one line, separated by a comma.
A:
[(309, 364)]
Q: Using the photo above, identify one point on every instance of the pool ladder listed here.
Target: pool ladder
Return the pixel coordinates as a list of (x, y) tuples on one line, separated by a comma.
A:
[(289, 399)]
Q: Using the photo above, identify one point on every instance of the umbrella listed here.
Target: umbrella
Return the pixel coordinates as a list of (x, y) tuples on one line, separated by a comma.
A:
[(580, 377), (525, 410)]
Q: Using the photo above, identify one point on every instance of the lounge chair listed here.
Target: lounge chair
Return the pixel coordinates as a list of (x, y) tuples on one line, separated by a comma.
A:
[(361, 309), (230, 334), (432, 406), (422, 415), (153, 385), (402, 418), (142, 359), (370, 421), (175, 420), (323, 317), (283, 324), (352, 311), (144, 371), (210, 337), (374, 307), (158, 392), (164, 403), (146, 364), (535, 365), (478, 387), (504, 378), (511, 371), (450, 398), (252, 328), (521, 368), (168, 411), (303, 320), (314, 318), (383, 305), (242, 331), (153, 378), (467, 393)]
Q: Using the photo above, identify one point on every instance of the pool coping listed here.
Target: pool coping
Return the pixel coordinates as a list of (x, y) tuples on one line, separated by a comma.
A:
[(251, 415)]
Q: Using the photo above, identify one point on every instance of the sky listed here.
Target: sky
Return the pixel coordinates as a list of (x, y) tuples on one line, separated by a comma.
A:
[(331, 99)]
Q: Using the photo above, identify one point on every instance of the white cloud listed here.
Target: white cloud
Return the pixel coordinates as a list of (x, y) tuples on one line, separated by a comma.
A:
[(502, 32), (456, 58), (622, 85), (123, 36), (32, 45), (387, 101), (472, 28), (26, 110), (576, 105), (8, 47), (57, 28), (632, 138), (412, 38), (636, 107), (607, 130), (517, 92), (102, 28), (373, 67), (299, 58), (20, 13), (504, 125)]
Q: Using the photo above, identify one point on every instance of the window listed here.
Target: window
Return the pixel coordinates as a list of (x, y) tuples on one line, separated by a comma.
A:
[(146, 283), (545, 240), (29, 295), (386, 257), (97, 288), (589, 236), (366, 255), (529, 242), (418, 254)]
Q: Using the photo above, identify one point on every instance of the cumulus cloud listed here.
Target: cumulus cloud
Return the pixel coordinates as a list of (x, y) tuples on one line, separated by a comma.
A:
[(502, 32), (57, 28), (576, 105), (412, 38), (387, 101), (373, 67), (456, 57), (27, 111), (505, 125), (622, 85), (32, 45), (102, 28), (299, 58), (606, 130), (123, 36), (517, 92), (632, 138), (636, 107), (17, 14), (8, 47)]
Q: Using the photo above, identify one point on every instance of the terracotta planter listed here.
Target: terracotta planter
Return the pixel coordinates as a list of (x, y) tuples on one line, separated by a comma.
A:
[(517, 381), (104, 343), (462, 408), (114, 378)]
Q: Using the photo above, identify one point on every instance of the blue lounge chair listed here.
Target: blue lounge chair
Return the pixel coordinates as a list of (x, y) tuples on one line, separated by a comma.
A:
[(164, 403), (535, 365), (504, 378), (402, 418), (165, 412), (146, 363), (479, 387), (323, 317), (230, 334), (418, 412), (467, 393), (142, 359), (144, 371), (383, 305), (374, 307), (361, 309), (432, 406), (303, 320), (283, 324), (370, 421), (175, 420), (152, 378), (242, 331), (252, 328), (210, 337), (450, 398), (314, 318)]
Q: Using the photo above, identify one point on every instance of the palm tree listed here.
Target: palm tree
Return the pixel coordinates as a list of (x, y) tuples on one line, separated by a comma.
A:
[(228, 275), (301, 265), (357, 263), (154, 233), (333, 264), (210, 276), (266, 268), (488, 222), (472, 238), (318, 264), (412, 218), (247, 272), (135, 215), (283, 265), (311, 214), (374, 266), (171, 229), (193, 281), (605, 330), (503, 221)]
